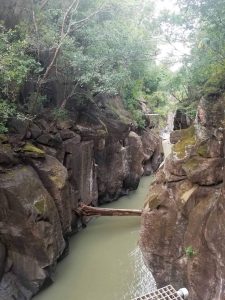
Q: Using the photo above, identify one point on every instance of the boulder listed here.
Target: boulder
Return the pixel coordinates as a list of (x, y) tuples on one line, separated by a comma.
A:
[(64, 125), (113, 168), (29, 227), (67, 134), (153, 151), (35, 131), (89, 133), (7, 155), (54, 178), (50, 140), (210, 112), (31, 151), (18, 126), (211, 148), (204, 171)]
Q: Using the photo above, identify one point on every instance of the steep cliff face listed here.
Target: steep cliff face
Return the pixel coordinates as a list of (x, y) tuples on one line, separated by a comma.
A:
[(45, 176), (182, 236)]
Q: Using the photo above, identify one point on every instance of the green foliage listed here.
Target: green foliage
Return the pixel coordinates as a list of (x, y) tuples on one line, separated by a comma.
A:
[(59, 114), (190, 252), (15, 64), (132, 95), (6, 110), (205, 67), (36, 102), (96, 47), (199, 25)]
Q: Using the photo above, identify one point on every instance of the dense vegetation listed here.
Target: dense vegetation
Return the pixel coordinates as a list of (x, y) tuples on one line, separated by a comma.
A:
[(89, 46), (200, 25), (109, 47)]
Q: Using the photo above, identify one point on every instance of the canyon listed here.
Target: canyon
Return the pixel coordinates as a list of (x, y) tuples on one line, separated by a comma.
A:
[(47, 169)]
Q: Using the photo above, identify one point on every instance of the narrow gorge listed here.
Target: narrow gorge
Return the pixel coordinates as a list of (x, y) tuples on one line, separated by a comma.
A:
[(45, 177), (108, 105)]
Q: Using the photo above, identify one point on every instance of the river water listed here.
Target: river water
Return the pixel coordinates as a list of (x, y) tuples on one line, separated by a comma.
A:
[(105, 262)]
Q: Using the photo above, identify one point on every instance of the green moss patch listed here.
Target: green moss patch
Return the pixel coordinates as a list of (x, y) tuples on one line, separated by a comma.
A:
[(192, 164), (3, 138), (188, 139), (33, 149), (40, 206), (203, 150)]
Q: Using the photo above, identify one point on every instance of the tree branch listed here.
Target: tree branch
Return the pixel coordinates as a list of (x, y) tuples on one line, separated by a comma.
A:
[(43, 3), (66, 16)]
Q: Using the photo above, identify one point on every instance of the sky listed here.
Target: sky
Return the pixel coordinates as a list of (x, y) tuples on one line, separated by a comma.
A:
[(166, 4)]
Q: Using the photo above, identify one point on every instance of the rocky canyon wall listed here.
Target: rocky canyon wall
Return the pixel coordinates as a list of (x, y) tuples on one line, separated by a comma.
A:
[(46, 169), (182, 236)]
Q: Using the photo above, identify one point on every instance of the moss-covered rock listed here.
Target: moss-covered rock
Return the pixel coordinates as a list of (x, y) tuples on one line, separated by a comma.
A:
[(3, 138), (32, 151), (40, 206), (204, 171), (202, 150), (187, 141)]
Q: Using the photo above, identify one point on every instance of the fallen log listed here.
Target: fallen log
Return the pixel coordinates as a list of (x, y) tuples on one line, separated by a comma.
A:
[(85, 210)]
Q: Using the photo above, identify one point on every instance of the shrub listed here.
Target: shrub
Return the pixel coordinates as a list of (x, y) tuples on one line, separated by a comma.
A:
[(6, 110)]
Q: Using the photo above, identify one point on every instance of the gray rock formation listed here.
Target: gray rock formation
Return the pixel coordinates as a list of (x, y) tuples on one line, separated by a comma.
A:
[(182, 236), (45, 176)]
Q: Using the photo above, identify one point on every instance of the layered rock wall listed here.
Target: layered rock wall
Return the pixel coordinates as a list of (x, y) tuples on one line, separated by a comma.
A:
[(182, 236), (46, 170)]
